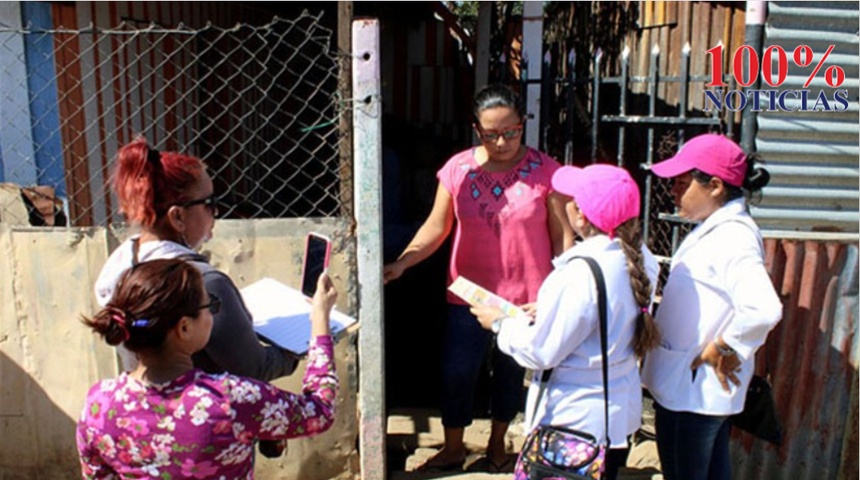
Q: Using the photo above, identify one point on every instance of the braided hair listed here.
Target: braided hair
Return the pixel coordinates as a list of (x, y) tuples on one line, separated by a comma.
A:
[(647, 335)]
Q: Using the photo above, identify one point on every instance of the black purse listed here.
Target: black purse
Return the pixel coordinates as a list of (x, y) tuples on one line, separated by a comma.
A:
[(759, 416), (553, 452)]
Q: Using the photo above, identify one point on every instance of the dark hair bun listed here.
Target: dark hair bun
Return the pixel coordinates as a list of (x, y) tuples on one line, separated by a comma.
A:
[(757, 180), (116, 334)]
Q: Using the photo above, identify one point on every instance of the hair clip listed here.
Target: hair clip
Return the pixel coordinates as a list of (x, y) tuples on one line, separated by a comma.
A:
[(125, 333), (117, 315), (153, 156), (140, 323)]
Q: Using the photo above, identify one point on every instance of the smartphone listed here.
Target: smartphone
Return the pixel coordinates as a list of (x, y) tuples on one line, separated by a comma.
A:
[(317, 253)]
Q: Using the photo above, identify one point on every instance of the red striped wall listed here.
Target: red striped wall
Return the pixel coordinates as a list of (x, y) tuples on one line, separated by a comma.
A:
[(104, 103), (813, 357)]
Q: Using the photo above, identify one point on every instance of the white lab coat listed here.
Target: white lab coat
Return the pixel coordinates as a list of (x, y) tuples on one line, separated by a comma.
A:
[(565, 337), (717, 285)]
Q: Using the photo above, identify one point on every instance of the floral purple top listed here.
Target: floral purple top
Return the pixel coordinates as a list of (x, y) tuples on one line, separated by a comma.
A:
[(199, 425)]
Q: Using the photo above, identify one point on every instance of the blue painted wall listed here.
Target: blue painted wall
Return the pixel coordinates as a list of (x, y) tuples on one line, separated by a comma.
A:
[(42, 89)]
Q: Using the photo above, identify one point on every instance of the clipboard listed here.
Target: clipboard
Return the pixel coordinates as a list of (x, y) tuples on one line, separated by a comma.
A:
[(282, 315)]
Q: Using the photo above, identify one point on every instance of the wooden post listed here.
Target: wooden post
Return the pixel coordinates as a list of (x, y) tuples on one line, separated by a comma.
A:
[(595, 104), (482, 57), (532, 46), (367, 150), (344, 46)]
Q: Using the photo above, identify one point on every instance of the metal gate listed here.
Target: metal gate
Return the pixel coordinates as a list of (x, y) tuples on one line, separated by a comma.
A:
[(630, 126)]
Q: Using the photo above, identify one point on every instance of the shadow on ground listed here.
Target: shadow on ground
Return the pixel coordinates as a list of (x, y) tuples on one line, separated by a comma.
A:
[(415, 435)]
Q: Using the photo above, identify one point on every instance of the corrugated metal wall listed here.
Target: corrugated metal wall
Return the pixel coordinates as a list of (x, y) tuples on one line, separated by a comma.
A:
[(424, 80), (813, 359), (812, 156)]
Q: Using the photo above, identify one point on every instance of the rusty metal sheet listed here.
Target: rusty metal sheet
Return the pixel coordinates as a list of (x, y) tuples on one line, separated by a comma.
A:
[(812, 356)]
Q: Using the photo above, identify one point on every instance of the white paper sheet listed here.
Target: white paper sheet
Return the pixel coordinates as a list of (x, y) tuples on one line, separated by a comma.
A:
[(476, 295), (282, 315)]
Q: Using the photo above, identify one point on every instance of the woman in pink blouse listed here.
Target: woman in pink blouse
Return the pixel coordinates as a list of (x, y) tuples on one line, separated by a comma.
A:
[(167, 419), (507, 223)]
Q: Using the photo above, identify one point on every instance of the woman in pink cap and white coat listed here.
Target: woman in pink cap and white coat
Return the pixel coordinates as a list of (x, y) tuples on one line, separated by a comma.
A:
[(602, 207), (718, 306)]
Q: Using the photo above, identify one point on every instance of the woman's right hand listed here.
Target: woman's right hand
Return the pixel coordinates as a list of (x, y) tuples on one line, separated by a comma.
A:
[(726, 367), (427, 240), (393, 271), (321, 305), (486, 315)]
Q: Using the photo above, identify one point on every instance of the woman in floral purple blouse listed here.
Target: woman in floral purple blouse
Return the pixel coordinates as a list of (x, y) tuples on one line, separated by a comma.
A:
[(167, 419)]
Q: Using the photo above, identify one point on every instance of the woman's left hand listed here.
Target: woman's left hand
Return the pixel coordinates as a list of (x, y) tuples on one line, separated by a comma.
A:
[(486, 315), (726, 367), (530, 309)]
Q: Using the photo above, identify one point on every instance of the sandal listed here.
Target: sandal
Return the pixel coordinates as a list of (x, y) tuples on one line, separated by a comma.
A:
[(484, 464), (507, 465), (431, 466)]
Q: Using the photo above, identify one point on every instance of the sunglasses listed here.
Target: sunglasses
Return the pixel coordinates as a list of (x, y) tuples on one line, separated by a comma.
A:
[(508, 134), (210, 202), (214, 304)]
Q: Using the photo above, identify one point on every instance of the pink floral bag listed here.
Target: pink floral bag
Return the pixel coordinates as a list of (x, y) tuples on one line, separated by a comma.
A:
[(560, 453)]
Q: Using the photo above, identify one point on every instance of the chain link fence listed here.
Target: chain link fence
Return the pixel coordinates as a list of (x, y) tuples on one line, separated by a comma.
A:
[(665, 229), (259, 104)]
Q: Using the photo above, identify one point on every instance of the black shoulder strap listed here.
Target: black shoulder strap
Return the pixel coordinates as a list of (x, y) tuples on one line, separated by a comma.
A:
[(193, 257), (186, 257), (602, 304), (135, 251)]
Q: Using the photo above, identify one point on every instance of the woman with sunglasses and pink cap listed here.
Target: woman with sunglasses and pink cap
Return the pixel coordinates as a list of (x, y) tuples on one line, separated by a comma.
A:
[(717, 308), (603, 209), (497, 199), (168, 419)]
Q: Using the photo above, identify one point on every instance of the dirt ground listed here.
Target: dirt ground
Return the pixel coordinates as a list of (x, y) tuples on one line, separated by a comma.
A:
[(414, 435)]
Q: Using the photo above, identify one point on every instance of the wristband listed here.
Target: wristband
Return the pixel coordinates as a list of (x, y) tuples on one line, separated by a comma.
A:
[(496, 326), (726, 351)]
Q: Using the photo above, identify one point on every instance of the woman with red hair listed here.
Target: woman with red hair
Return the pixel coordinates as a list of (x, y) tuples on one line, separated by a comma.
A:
[(170, 198)]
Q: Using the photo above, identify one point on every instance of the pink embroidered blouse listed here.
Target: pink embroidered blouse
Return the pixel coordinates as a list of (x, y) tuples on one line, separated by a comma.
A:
[(199, 425), (502, 239)]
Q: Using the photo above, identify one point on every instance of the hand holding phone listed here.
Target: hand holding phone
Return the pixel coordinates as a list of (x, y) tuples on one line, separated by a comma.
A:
[(322, 302), (317, 254)]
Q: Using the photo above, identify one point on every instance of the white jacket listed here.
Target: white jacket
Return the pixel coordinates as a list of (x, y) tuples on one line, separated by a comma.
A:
[(565, 337), (717, 286)]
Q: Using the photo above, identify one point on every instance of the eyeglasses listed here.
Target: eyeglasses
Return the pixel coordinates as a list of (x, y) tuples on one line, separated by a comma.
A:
[(210, 202), (508, 134), (214, 304)]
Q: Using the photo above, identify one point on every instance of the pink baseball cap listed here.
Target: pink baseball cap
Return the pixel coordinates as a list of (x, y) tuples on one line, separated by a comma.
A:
[(605, 194), (713, 154)]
